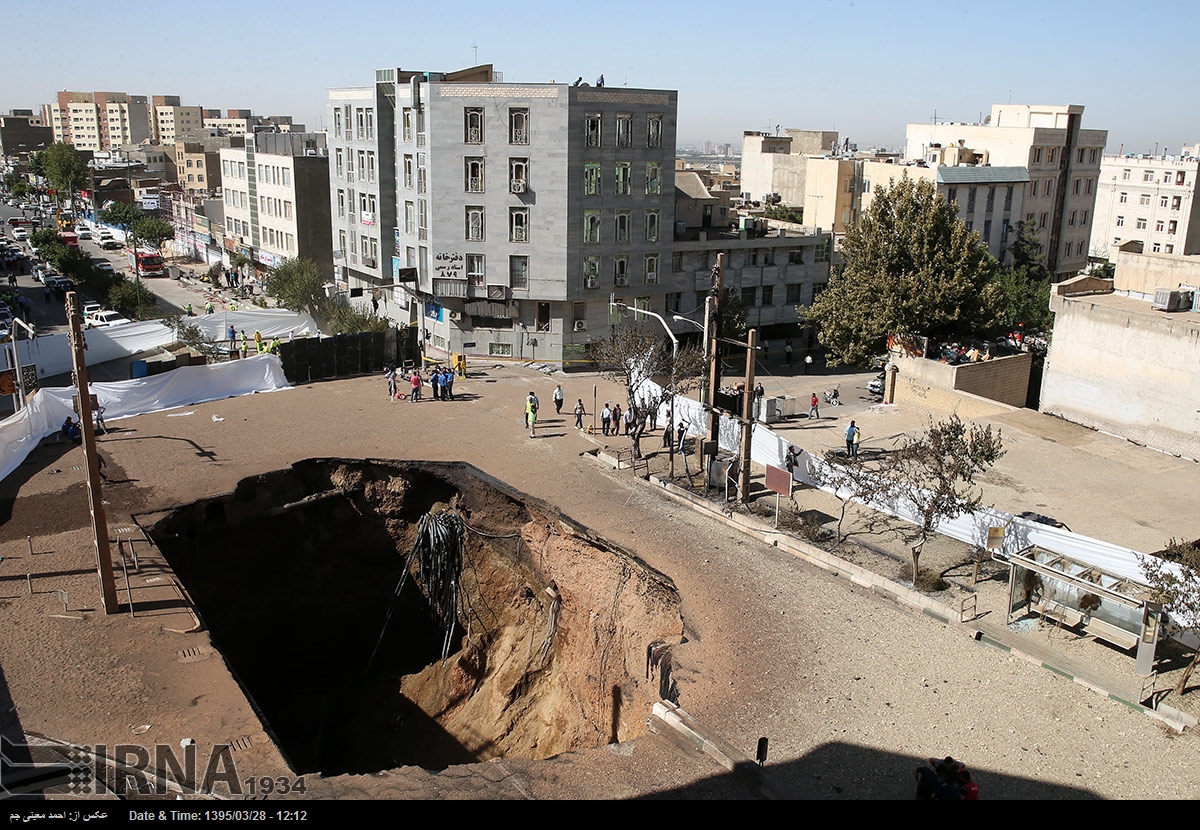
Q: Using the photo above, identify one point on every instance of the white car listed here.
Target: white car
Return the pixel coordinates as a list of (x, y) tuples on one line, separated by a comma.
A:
[(104, 319), (83, 233), (20, 234), (91, 307), (104, 265)]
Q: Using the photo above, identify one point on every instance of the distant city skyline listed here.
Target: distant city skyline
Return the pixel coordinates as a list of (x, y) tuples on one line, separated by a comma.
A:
[(865, 69)]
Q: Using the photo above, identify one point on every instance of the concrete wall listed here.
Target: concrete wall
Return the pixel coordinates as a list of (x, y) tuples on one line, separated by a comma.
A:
[(971, 389), (1142, 274), (1118, 366)]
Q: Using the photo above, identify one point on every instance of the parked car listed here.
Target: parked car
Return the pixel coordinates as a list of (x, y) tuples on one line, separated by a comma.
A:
[(20, 234), (91, 307), (104, 265), (110, 244), (82, 232), (104, 319)]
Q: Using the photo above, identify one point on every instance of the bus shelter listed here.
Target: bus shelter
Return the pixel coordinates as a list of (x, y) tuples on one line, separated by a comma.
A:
[(1110, 607)]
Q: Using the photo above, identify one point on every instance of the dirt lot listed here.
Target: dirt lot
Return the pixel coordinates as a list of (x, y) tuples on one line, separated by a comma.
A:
[(851, 689)]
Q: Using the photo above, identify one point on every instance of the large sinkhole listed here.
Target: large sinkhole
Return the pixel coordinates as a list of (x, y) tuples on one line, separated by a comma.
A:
[(554, 639)]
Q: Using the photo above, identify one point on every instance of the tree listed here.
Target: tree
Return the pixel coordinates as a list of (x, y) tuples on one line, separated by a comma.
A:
[(132, 299), (646, 364), (935, 472), (298, 285), (1174, 580), (347, 319), (121, 215), (911, 265), (190, 335), (1022, 302), (1105, 271), (213, 274), (43, 237), (1026, 254), (852, 481), (65, 168), (152, 231)]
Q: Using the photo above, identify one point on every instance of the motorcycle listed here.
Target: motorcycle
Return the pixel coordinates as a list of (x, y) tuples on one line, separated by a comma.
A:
[(832, 398)]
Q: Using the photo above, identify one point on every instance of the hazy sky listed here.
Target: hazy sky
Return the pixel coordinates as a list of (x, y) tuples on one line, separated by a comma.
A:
[(864, 69)]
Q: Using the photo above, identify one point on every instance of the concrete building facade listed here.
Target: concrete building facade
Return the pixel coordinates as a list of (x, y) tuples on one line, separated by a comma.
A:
[(1147, 199), (21, 135), (1118, 365), (172, 122), (777, 165), (276, 199), (1063, 161), (101, 120)]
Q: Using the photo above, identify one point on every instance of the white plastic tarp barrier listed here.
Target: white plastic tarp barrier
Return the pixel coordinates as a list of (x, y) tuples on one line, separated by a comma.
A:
[(52, 353), (49, 408)]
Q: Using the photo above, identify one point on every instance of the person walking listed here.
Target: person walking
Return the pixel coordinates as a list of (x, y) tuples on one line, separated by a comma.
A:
[(389, 372), (813, 412), (851, 436), (669, 438), (857, 438), (616, 420), (628, 420), (415, 381), (558, 399), (605, 418), (807, 363), (579, 413), (787, 352), (531, 409)]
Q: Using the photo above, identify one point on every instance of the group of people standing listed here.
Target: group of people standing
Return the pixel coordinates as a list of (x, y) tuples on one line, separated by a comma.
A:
[(440, 379)]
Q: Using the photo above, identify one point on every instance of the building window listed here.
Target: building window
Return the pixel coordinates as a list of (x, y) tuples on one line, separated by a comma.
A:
[(768, 295), (287, 210), (591, 124), (654, 125), (1123, 198), (1141, 224), (361, 123), (622, 226), (518, 175), (1004, 226), (991, 199), (1087, 187), (1147, 175), (407, 120), (1083, 219), (653, 178), (337, 122), (1008, 194), (674, 302), (1075, 187), (987, 230), (750, 297), (370, 122), (620, 270), (1049, 187), (1037, 155), (591, 180), (821, 252), (1095, 155), (475, 269), (408, 172), (952, 194), (342, 241), (475, 224), (1071, 219), (624, 129), (796, 256), (1180, 178), (473, 175), (1170, 249), (518, 271), (473, 125), (1160, 226), (792, 295), (370, 168), (1144, 199), (1167, 177), (591, 272), (1051, 155), (1082, 153), (518, 224), (337, 162), (518, 126), (1120, 221), (1156, 248), (650, 268), (1042, 219), (1162, 201), (1125, 174), (591, 226), (677, 261), (410, 218), (1172, 226), (652, 225), (623, 178)]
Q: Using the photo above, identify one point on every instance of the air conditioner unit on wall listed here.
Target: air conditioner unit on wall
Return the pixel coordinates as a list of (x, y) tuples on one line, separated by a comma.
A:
[(591, 282), (455, 316), (581, 325)]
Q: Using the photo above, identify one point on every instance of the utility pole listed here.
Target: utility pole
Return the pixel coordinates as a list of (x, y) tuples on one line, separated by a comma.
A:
[(713, 308), (104, 566), (748, 413)]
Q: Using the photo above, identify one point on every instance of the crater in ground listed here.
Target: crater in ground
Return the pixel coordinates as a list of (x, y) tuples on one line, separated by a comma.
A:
[(558, 640)]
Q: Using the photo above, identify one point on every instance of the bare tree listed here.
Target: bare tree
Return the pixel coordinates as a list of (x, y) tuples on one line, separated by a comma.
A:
[(1174, 579), (647, 365), (852, 481), (936, 473)]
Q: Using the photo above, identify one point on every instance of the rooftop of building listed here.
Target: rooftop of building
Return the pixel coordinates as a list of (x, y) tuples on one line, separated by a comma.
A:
[(969, 174)]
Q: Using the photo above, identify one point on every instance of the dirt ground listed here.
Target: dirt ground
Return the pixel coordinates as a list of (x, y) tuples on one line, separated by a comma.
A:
[(852, 689)]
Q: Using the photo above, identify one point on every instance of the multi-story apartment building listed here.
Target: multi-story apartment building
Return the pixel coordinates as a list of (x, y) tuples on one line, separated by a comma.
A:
[(523, 208), (100, 120), (1148, 199), (22, 134), (1063, 161), (197, 166), (171, 122), (276, 199)]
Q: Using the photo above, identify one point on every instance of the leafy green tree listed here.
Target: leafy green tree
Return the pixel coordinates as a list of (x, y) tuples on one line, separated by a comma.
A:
[(43, 237), (1022, 301), (348, 319), (190, 335), (152, 231), (1105, 271), (1026, 256), (37, 163), (911, 265), (132, 299), (298, 285), (213, 274), (1174, 579), (65, 168), (121, 215)]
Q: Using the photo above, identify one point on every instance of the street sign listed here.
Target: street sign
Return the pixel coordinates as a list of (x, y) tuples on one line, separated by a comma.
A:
[(470, 345), (779, 481)]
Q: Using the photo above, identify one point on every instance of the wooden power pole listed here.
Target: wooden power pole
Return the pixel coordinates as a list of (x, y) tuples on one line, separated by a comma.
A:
[(104, 565)]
